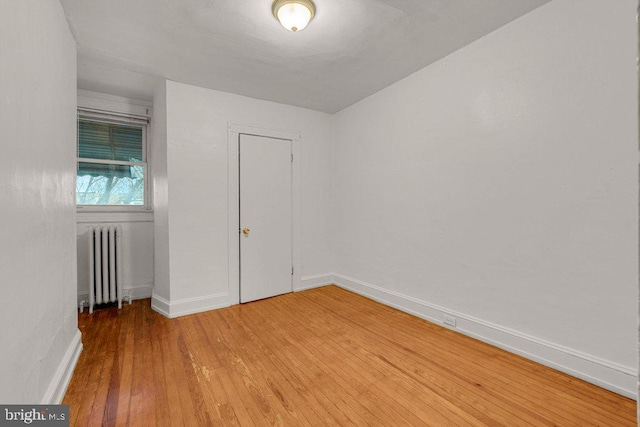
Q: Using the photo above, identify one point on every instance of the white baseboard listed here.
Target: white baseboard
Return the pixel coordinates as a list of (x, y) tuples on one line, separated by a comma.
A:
[(137, 292), (603, 373), (172, 309), (58, 386), (160, 305), (140, 291), (311, 282)]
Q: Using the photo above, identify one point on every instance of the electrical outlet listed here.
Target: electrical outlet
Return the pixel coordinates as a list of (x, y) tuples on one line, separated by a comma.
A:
[(450, 321)]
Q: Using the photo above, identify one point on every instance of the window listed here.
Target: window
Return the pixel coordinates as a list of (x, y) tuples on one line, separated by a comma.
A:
[(112, 162)]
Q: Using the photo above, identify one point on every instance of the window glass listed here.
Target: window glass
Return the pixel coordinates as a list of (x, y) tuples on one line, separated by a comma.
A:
[(111, 164), (100, 184)]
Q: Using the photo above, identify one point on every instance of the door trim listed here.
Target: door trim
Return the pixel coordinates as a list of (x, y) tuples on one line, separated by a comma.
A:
[(234, 130)]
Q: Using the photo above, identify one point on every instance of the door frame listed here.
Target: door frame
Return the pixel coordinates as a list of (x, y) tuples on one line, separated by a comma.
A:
[(234, 130)]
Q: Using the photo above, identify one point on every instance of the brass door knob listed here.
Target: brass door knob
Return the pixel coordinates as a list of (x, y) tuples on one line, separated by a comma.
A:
[(245, 230)]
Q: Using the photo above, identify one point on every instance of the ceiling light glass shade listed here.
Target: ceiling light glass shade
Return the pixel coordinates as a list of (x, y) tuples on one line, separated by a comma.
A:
[(294, 15)]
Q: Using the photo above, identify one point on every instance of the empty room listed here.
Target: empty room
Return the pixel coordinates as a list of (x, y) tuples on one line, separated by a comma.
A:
[(327, 212)]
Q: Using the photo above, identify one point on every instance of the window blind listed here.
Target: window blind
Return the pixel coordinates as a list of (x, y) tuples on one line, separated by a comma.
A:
[(107, 141)]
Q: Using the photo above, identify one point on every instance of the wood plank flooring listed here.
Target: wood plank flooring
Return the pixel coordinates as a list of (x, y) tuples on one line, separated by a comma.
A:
[(320, 357)]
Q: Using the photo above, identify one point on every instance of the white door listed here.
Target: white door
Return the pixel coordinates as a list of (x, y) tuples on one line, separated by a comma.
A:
[(265, 217)]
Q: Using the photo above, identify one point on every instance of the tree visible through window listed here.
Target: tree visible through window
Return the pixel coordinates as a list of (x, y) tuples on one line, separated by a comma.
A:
[(111, 164)]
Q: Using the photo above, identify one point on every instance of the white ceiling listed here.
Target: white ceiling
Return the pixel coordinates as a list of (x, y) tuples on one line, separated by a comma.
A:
[(352, 48)]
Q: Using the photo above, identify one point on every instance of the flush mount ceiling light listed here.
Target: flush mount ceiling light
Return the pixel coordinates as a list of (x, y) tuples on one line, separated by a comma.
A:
[(294, 15)]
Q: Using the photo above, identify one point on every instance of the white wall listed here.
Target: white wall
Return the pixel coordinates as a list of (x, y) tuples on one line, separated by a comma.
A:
[(40, 337), (196, 204), (137, 226), (162, 261), (500, 184)]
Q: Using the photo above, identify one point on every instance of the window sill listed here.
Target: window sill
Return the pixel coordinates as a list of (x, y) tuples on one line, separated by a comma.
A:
[(84, 216)]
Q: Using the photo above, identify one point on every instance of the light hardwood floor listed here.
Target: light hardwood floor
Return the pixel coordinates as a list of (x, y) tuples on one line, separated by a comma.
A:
[(324, 357)]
